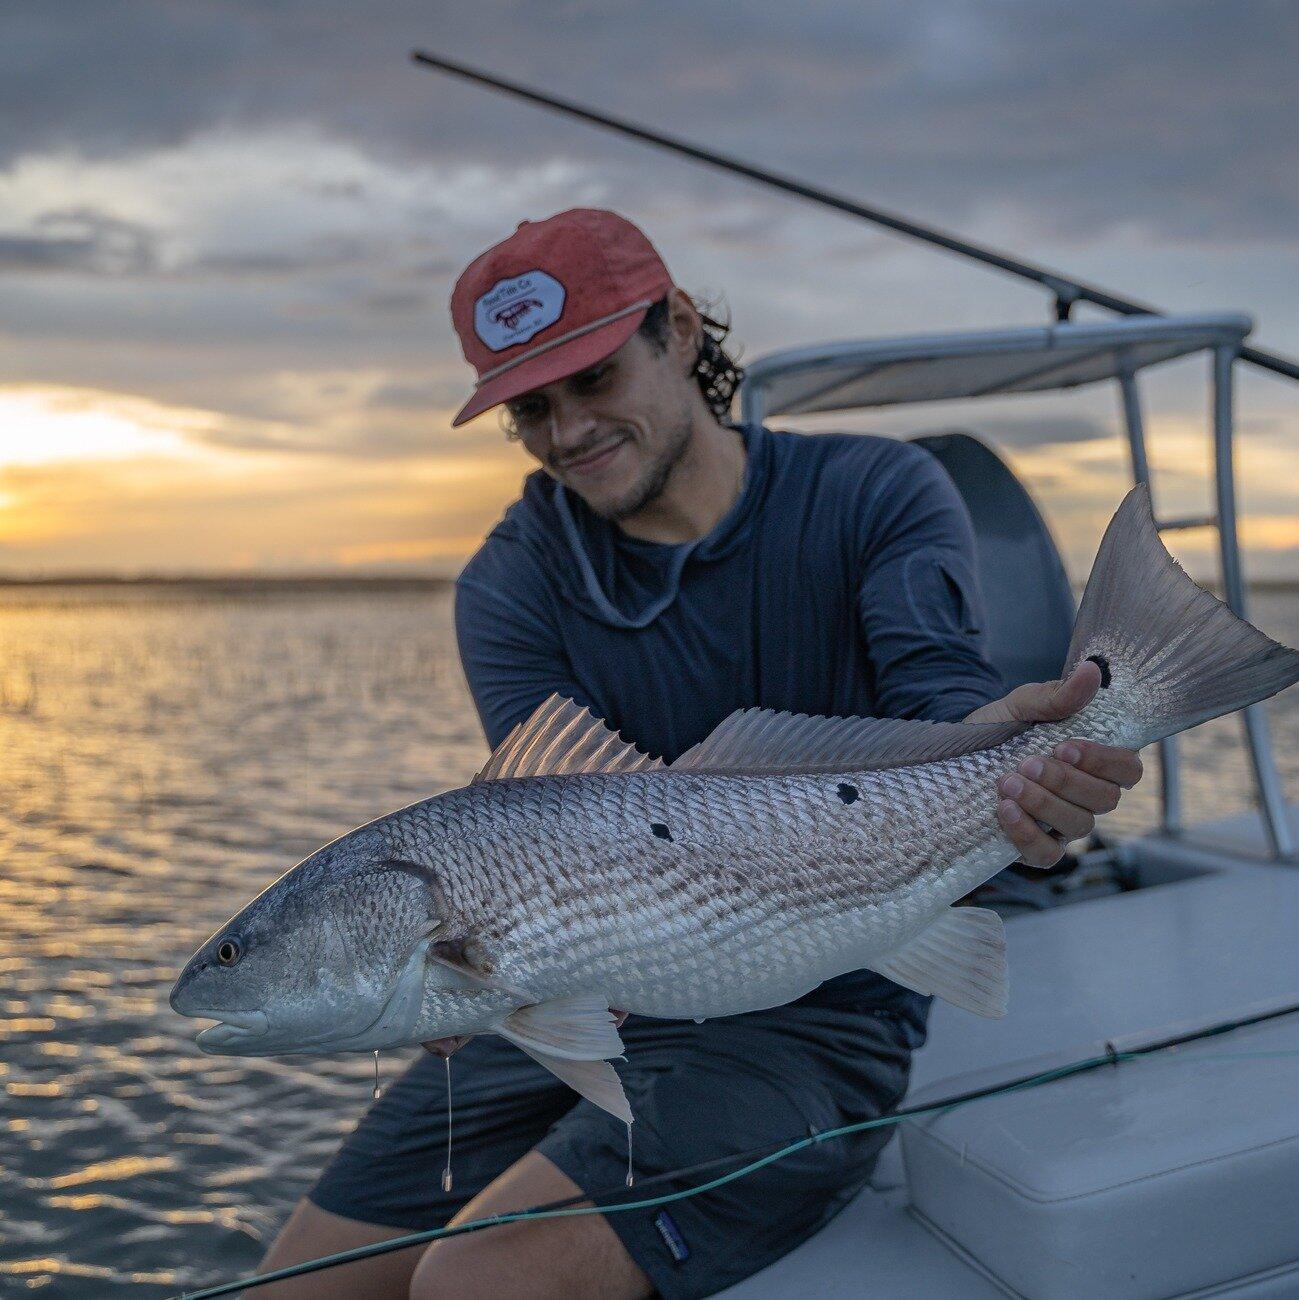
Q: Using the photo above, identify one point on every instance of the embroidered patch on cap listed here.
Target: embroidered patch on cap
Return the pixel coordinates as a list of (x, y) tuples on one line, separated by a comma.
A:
[(672, 1237), (513, 310)]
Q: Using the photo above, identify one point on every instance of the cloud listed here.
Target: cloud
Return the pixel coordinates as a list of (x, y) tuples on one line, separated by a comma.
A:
[(418, 395), (81, 239), (1162, 118), (258, 211), (114, 484)]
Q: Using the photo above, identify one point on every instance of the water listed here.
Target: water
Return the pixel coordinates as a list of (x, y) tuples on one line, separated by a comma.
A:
[(164, 753)]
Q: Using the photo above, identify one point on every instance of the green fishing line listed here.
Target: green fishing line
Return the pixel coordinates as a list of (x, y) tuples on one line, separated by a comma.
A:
[(564, 1210)]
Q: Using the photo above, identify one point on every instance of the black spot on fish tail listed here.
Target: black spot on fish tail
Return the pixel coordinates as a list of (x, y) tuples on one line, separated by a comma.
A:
[(1104, 665), (848, 793), (660, 830)]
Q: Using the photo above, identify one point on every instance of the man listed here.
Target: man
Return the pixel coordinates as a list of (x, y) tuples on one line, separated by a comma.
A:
[(665, 568)]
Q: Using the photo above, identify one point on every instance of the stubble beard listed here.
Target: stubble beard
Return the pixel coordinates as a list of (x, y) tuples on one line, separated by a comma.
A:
[(653, 479)]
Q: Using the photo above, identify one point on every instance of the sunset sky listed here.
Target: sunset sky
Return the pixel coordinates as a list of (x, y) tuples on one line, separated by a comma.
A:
[(228, 232)]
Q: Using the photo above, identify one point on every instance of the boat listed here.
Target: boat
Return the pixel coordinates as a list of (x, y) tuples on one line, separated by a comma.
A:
[(1171, 1175)]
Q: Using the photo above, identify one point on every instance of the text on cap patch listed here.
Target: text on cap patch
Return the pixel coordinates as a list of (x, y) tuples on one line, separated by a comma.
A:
[(513, 310)]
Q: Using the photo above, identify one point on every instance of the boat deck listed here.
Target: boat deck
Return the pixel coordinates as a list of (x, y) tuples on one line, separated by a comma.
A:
[(1211, 938)]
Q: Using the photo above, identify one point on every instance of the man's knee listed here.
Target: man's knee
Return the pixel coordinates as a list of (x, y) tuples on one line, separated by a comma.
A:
[(577, 1257), (576, 1266), (465, 1269), (311, 1233)]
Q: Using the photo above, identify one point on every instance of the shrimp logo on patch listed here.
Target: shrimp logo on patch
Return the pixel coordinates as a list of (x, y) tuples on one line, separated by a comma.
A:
[(513, 310)]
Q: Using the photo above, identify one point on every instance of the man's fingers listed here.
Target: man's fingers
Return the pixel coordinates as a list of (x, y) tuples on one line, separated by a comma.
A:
[(1035, 846), (1062, 793), (1058, 814), (1108, 762), (446, 1047), (1072, 784)]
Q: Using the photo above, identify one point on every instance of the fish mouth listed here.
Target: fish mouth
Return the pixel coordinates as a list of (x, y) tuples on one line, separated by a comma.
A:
[(233, 1028)]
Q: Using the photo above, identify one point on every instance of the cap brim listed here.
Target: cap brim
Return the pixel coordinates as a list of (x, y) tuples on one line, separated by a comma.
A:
[(555, 363)]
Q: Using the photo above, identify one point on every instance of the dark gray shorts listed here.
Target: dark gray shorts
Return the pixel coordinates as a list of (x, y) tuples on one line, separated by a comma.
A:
[(697, 1091)]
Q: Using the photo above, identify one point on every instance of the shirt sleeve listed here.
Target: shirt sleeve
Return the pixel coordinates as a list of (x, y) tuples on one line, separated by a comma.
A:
[(511, 655), (918, 600)]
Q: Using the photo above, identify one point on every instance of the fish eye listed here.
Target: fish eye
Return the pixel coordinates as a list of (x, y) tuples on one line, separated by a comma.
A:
[(229, 950)]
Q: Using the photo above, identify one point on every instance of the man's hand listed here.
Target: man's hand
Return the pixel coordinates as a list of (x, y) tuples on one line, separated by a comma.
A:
[(1062, 791)]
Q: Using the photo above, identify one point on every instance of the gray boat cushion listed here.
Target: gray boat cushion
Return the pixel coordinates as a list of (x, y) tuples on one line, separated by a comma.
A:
[(1146, 1179)]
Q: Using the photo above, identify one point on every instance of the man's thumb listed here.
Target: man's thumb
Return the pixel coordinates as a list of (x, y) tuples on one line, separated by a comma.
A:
[(1055, 701)]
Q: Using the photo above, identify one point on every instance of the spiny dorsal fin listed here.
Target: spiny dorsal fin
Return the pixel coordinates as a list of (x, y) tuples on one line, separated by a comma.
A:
[(763, 740), (561, 738)]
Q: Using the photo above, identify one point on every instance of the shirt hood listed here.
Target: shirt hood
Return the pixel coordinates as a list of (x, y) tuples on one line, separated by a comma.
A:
[(622, 581)]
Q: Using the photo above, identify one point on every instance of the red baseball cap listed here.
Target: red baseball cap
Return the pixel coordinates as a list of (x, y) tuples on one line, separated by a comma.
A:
[(555, 297)]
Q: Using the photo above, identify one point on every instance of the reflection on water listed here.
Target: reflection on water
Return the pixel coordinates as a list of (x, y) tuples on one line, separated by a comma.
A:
[(163, 755)]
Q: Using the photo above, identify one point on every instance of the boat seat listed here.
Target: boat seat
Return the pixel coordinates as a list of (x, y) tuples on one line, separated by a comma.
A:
[(1028, 603), (1158, 1178), (1172, 1175), (1154, 1178)]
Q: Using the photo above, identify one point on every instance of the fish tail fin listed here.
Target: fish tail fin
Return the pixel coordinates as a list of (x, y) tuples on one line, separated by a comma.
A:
[(1171, 655)]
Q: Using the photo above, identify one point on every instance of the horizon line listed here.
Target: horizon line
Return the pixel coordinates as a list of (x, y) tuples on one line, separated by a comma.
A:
[(334, 579), (234, 578)]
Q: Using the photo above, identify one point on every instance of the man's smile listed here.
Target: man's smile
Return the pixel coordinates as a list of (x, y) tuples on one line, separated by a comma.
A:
[(594, 461)]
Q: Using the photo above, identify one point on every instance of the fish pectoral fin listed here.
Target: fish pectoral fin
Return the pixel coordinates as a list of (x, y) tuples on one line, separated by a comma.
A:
[(579, 1028), (595, 1080), (455, 955), (960, 957)]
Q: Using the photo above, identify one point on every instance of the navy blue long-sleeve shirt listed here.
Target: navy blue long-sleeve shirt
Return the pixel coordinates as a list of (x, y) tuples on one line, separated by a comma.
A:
[(840, 582)]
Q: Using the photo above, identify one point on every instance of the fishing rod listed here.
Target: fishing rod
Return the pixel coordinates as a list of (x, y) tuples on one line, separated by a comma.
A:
[(1066, 290), (614, 1200)]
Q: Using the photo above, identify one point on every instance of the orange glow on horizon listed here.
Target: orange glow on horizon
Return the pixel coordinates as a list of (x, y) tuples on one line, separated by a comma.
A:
[(95, 481)]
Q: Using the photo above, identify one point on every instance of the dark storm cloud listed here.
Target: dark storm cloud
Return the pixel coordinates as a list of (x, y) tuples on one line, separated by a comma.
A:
[(1171, 115)]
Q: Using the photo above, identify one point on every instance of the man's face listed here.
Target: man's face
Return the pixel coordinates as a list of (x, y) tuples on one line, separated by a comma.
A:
[(614, 432)]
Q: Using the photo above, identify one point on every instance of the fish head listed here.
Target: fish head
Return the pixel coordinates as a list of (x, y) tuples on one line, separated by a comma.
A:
[(330, 957)]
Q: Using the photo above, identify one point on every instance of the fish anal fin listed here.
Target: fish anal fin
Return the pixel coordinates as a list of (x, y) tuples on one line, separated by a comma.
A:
[(960, 957), (578, 1028), (597, 1081), (562, 738)]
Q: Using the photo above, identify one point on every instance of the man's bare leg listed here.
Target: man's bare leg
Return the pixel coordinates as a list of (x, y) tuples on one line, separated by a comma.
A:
[(568, 1259), (312, 1232)]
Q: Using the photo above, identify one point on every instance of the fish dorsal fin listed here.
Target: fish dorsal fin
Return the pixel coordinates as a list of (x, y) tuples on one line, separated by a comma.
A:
[(561, 738), (763, 740)]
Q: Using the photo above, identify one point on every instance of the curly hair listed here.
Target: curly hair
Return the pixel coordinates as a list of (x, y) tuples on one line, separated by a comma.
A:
[(717, 373)]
